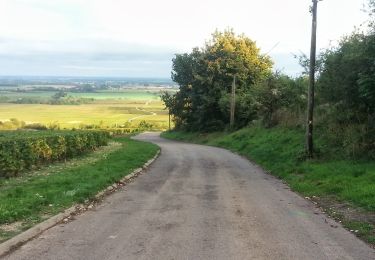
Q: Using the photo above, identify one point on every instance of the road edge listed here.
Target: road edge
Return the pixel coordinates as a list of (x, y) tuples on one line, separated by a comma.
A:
[(77, 209)]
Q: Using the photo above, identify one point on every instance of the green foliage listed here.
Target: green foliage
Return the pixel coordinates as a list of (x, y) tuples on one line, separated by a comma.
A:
[(246, 107), (21, 150), (59, 95), (168, 99), (348, 76), (62, 98), (344, 99), (279, 93), (205, 77), (52, 189), (144, 125), (35, 126), (346, 90)]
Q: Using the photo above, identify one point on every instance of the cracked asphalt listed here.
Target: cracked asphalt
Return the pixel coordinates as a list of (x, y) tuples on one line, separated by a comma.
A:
[(199, 202)]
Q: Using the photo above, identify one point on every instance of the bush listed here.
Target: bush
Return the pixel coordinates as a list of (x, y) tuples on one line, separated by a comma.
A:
[(36, 126), (21, 150)]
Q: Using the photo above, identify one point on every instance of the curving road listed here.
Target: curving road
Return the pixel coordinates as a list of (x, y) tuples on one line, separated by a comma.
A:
[(199, 202)]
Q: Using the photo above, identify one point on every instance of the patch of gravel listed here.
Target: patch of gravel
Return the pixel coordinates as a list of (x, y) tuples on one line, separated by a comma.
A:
[(345, 210), (12, 227)]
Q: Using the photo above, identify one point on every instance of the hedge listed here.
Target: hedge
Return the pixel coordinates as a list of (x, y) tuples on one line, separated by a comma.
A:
[(23, 150)]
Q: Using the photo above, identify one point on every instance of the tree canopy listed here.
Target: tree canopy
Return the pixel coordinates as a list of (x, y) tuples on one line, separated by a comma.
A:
[(345, 96), (205, 76), (348, 77)]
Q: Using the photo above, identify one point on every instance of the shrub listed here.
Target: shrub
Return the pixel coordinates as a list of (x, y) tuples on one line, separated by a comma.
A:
[(36, 126), (21, 150)]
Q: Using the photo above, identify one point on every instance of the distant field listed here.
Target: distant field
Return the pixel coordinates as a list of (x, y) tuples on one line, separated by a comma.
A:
[(123, 94), (128, 95), (107, 109)]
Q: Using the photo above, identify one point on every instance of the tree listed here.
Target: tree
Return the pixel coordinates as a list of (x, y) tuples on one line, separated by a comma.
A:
[(371, 11), (348, 77), (346, 88), (304, 62), (168, 100), (59, 95), (278, 92), (205, 76)]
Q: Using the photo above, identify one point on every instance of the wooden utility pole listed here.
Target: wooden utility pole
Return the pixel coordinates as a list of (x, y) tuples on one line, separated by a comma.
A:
[(233, 102), (169, 119), (310, 103)]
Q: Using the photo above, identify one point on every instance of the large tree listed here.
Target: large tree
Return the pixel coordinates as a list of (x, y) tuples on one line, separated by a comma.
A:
[(348, 78), (205, 76), (347, 91)]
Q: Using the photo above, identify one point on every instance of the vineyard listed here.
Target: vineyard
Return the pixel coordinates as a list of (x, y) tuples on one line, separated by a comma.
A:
[(23, 150)]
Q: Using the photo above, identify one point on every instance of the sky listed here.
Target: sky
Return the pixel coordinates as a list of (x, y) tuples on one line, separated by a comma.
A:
[(138, 38)]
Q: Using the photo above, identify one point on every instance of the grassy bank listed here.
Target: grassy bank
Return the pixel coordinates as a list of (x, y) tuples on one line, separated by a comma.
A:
[(336, 183), (27, 200)]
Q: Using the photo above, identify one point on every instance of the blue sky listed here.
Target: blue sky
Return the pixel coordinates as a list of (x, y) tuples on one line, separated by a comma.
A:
[(127, 38)]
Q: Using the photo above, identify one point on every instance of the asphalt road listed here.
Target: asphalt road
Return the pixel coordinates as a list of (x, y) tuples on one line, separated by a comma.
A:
[(199, 202)]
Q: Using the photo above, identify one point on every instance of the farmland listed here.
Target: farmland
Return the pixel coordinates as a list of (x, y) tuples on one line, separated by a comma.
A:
[(101, 108), (131, 94)]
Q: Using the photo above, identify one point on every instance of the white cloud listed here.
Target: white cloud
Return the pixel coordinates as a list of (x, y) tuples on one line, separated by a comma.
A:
[(87, 27)]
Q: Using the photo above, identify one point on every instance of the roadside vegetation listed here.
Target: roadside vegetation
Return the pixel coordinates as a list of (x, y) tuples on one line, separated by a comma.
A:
[(39, 194), (270, 117), (23, 150)]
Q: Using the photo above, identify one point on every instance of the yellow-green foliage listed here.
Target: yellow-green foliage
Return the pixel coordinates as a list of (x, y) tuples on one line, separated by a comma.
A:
[(20, 150)]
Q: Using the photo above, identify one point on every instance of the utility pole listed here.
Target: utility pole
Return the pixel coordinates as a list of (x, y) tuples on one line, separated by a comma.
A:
[(233, 102), (169, 119), (310, 103)]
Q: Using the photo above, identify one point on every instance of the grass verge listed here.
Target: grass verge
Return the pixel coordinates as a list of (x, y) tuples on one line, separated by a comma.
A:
[(30, 199), (345, 189)]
